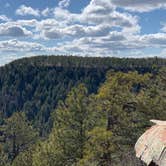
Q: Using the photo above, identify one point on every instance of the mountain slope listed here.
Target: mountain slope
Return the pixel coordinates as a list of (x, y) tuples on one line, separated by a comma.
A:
[(35, 85)]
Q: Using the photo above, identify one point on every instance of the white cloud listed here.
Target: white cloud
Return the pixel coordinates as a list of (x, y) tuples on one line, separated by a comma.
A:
[(64, 3), (99, 7), (27, 23), (4, 18), (53, 34), (140, 5), (26, 10), (115, 43), (23, 46), (101, 12), (64, 15), (13, 31), (155, 40), (47, 12), (96, 20), (99, 29), (163, 29), (77, 31)]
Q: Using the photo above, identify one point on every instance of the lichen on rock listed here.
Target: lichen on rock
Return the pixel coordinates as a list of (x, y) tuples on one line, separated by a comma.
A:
[(151, 146)]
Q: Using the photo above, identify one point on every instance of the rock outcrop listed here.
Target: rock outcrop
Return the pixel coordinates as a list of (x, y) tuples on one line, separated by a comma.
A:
[(151, 146)]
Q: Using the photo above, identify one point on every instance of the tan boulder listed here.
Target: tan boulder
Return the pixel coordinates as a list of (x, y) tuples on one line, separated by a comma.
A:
[(151, 146)]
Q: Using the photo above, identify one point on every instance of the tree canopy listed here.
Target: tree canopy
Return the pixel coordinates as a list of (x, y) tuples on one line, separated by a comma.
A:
[(74, 111)]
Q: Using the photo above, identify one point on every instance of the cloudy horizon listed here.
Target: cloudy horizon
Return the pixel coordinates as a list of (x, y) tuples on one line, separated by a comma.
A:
[(84, 27)]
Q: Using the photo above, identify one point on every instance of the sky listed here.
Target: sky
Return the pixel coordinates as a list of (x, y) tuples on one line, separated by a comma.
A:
[(114, 28)]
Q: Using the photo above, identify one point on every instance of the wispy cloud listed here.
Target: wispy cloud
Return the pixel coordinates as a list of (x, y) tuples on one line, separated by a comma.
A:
[(4, 18), (140, 5), (64, 3), (26, 10)]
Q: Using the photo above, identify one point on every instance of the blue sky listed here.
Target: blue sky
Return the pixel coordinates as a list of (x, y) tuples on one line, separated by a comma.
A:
[(119, 28)]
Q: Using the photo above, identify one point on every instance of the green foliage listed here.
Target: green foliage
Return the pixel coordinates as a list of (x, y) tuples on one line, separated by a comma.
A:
[(35, 85), (99, 148), (91, 125), (24, 158), (18, 135), (68, 136), (3, 158), (101, 129), (119, 101)]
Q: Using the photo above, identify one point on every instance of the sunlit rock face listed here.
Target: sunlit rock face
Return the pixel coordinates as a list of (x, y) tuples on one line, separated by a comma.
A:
[(151, 146)]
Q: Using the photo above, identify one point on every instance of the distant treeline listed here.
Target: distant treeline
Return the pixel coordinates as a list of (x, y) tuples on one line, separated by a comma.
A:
[(93, 62)]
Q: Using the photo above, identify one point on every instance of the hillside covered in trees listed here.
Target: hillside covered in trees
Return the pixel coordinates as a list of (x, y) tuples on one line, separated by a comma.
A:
[(75, 111)]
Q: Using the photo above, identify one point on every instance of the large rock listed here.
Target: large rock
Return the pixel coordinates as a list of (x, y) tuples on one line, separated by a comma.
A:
[(151, 146)]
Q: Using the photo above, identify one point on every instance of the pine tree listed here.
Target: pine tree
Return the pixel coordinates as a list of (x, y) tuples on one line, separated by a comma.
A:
[(67, 139), (18, 135)]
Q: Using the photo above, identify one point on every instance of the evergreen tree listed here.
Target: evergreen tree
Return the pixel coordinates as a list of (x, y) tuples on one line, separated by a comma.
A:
[(99, 148), (24, 158), (68, 137), (18, 135), (120, 119)]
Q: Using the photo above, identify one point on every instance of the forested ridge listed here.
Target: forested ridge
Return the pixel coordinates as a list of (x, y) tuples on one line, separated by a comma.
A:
[(75, 111), (91, 62)]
